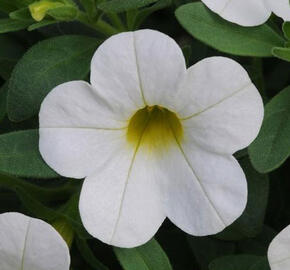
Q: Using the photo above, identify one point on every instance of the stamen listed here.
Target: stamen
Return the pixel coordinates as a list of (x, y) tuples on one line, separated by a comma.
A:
[(156, 127)]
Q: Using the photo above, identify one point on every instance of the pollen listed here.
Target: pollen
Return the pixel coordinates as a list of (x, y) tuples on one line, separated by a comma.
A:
[(155, 127)]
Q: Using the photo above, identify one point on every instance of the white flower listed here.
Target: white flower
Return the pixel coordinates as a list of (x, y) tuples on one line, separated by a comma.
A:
[(279, 251), (152, 138), (249, 12), (30, 244)]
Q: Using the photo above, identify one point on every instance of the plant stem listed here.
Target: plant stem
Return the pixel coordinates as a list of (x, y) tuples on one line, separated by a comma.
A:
[(116, 21), (100, 25)]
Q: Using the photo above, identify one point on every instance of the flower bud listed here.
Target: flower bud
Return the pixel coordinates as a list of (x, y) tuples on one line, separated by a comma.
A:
[(39, 9)]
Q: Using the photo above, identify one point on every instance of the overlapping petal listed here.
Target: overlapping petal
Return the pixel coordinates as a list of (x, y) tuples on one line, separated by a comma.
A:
[(77, 129), (137, 69), (242, 12), (278, 253), (121, 203), (205, 192), (221, 107), (30, 244), (280, 7)]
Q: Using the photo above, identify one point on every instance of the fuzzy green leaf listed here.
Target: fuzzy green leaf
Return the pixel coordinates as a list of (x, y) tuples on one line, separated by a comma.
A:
[(10, 25), (43, 23), (272, 146), (46, 65), (19, 155), (286, 30), (147, 257), (225, 36), (65, 13), (282, 53), (22, 14)]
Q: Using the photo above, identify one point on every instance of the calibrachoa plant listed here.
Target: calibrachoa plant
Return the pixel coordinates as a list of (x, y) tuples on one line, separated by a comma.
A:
[(144, 134)]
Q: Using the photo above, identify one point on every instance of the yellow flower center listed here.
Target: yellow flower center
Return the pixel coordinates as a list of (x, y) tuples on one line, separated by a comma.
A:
[(155, 127)]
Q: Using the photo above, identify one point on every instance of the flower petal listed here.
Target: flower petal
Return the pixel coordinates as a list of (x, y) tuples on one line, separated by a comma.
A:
[(77, 129), (137, 68), (242, 12), (121, 203), (278, 252), (280, 7), (30, 244), (206, 192), (77, 104), (223, 110), (77, 153)]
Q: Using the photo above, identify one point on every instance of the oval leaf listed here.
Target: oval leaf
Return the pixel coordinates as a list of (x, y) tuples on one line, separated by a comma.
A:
[(286, 30), (225, 36), (272, 146), (282, 53), (9, 25), (44, 66), (19, 155), (147, 257)]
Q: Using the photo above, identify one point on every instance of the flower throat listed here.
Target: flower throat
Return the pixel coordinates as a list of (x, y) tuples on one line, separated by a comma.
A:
[(154, 126)]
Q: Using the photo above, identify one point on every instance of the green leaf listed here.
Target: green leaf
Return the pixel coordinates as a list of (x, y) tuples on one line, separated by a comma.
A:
[(225, 36), (46, 65), (206, 249), (251, 221), (261, 264), (89, 7), (272, 146), (286, 29), (237, 262), (147, 257), (144, 13), (70, 211), (43, 23), (281, 53), (258, 245), (19, 155), (10, 52), (29, 195), (88, 255), (10, 25), (117, 6), (21, 14), (65, 13), (42, 194), (3, 98)]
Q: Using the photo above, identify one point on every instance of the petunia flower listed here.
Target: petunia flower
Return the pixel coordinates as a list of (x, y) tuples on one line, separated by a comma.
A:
[(152, 138), (279, 251), (30, 244), (249, 12)]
